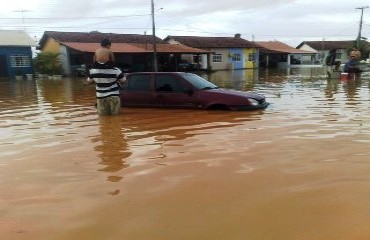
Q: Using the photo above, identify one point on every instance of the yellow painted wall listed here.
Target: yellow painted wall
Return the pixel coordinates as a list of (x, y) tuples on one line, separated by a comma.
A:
[(247, 51), (51, 46)]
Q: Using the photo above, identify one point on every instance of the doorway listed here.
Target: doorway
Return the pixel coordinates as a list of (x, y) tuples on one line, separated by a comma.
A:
[(3, 66)]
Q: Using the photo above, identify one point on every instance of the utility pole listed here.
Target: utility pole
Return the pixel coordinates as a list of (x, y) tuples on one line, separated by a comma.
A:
[(155, 67), (360, 28), (22, 11)]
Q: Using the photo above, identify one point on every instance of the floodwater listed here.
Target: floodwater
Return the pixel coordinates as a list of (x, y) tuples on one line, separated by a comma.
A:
[(300, 169)]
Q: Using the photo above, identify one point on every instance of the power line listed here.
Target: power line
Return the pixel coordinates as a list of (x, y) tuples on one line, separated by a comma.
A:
[(66, 18)]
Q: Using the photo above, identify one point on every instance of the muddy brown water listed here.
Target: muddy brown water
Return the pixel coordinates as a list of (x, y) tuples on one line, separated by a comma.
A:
[(299, 169)]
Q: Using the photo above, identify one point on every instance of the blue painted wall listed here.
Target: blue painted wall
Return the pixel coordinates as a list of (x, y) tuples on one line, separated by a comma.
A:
[(239, 64), (7, 52)]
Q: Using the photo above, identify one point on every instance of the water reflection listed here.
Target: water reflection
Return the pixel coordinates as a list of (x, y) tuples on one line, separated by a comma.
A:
[(152, 130), (352, 88), (164, 167), (112, 147)]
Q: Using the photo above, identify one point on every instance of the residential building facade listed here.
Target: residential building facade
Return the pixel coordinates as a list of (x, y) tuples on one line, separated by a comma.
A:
[(279, 54), (323, 47), (15, 53), (133, 50), (225, 52)]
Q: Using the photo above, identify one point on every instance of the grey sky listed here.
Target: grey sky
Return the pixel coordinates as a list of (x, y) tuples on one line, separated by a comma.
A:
[(289, 21)]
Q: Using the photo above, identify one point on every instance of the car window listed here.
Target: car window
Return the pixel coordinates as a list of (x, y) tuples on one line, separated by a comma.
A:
[(168, 83), (138, 83)]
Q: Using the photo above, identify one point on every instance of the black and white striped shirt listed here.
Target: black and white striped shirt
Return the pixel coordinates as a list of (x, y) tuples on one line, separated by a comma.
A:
[(106, 78)]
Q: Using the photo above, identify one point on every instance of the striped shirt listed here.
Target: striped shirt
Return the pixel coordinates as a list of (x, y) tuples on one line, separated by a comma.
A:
[(106, 78)]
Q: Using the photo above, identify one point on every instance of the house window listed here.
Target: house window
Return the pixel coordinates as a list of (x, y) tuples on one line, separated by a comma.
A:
[(20, 61), (216, 58), (251, 57), (236, 57), (197, 59), (339, 54)]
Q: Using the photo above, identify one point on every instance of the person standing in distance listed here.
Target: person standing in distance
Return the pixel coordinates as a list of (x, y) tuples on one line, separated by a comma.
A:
[(107, 78), (331, 59), (355, 52)]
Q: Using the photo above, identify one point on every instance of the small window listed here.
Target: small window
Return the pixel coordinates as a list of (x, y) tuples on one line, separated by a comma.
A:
[(339, 54), (236, 57), (20, 61), (251, 57), (197, 59), (217, 57), (167, 83), (138, 83)]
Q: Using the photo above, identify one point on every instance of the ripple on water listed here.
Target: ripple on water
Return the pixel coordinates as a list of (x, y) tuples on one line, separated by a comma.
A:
[(304, 152)]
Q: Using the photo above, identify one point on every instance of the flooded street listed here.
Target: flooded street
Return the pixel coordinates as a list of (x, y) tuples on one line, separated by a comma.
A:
[(297, 170)]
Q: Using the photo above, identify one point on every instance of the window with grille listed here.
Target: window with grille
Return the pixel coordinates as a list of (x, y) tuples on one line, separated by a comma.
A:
[(236, 57), (217, 57), (20, 61)]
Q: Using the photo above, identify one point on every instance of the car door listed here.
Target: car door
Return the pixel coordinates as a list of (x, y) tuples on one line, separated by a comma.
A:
[(172, 91), (138, 91)]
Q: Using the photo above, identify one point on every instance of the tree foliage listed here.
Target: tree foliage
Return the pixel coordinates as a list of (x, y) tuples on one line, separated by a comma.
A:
[(48, 63)]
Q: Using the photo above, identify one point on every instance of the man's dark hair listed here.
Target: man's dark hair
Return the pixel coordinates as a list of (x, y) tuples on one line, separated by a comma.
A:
[(105, 42)]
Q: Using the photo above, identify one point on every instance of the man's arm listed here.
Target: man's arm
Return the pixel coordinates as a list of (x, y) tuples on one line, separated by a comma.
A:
[(112, 56), (120, 76)]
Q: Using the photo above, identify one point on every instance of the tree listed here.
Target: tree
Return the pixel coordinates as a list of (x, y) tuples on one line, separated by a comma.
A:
[(48, 63)]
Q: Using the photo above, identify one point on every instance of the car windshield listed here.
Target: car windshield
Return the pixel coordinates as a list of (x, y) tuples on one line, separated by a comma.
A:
[(198, 82)]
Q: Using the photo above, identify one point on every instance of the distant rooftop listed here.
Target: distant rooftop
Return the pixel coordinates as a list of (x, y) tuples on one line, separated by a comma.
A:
[(279, 47), (212, 42), (96, 37), (16, 38), (327, 45)]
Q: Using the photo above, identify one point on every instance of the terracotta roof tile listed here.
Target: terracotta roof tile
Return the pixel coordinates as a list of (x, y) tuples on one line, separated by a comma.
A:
[(133, 48), (91, 47), (96, 37), (172, 48), (212, 42), (279, 47)]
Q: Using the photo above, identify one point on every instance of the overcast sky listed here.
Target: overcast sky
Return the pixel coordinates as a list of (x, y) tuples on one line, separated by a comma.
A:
[(289, 21)]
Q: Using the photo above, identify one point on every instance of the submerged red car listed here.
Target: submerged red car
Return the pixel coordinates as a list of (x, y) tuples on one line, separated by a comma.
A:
[(184, 90)]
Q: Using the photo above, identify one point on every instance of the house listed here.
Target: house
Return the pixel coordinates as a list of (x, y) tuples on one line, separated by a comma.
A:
[(225, 52), (133, 50), (323, 47), (15, 53), (278, 54)]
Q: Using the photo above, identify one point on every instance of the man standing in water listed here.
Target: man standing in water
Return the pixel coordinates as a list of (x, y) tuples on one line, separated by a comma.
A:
[(107, 78)]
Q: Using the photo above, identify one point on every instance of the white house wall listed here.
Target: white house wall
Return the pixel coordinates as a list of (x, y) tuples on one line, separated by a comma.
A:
[(224, 64), (64, 59), (307, 48)]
